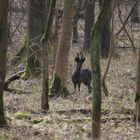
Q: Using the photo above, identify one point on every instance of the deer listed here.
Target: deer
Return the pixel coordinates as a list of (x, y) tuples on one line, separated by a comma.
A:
[(81, 75)]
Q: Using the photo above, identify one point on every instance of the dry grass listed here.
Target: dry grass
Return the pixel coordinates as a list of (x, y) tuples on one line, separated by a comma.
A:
[(117, 108)]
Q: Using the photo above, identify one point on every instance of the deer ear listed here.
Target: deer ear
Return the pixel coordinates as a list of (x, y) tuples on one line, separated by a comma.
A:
[(77, 55), (83, 59)]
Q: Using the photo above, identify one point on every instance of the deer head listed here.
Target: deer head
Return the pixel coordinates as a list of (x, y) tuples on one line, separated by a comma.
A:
[(79, 60)]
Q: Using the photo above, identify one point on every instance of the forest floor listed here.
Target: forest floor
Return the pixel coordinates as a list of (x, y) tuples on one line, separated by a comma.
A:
[(69, 118)]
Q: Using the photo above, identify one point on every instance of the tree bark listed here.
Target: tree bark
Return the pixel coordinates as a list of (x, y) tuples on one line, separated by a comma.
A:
[(96, 74), (61, 65), (135, 15), (105, 36), (137, 97), (45, 39), (3, 51), (89, 21), (37, 14), (75, 21)]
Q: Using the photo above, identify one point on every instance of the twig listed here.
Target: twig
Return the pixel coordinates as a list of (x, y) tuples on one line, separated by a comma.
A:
[(111, 47), (12, 34), (125, 22), (131, 41)]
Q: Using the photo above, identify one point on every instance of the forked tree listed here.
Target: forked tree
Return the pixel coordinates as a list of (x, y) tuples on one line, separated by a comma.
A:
[(3, 51), (61, 63), (95, 64)]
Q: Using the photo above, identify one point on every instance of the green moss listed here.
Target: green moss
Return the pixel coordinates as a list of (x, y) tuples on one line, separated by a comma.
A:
[(4, 136), (56, 88), (36, 121), (63, 92), (26, 74), (21, 115)]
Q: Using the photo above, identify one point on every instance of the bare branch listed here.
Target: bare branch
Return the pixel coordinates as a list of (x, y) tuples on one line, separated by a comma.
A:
[(120, 17), (125, 22)]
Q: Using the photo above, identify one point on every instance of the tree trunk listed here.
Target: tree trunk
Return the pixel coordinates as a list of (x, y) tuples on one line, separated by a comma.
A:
[(105, 36), (3, 51), (37, 14), (137, 98), (89, 21), (135, 15), (75, 21), (61, 65), (96, 74), (45, 39), (55, 38)]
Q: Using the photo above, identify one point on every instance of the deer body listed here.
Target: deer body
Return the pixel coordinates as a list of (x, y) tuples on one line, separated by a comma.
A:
[(81, 75)]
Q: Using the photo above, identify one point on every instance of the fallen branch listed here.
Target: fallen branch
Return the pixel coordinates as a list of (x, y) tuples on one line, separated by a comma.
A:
[(14, 77)]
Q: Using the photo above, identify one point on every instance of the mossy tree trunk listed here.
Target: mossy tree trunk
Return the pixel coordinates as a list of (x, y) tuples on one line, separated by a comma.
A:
[(37, 14), (61, 63), (89, 21), (96, 74), (105, 35), (3, 51), (44, 40), (137, 98)]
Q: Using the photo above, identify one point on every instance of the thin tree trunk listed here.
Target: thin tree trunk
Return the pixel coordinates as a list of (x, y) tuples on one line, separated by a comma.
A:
[(89, 21), (137, 98), (3, 51), (45, 77), (105, 36), (75, 21), (96, 75), (135, 15), (61, 65)]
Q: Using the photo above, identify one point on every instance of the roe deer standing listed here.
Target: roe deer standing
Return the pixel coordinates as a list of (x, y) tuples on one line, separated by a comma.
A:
[(81, 75)]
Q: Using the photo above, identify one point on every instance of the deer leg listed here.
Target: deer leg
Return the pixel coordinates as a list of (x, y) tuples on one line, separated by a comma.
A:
[(89, 88), (79, 85), (75, 86)]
